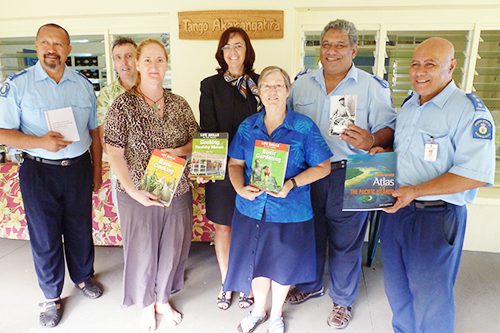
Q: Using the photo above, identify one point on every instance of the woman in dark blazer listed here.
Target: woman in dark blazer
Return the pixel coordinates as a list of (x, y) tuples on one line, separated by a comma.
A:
[(227, 98)]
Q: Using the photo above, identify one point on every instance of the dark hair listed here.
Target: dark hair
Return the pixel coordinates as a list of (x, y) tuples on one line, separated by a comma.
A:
[(122, 41), (53, 25), (249, 54)]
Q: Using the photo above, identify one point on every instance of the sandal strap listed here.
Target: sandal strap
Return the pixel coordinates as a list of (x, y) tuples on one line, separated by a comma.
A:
[(277, 323)]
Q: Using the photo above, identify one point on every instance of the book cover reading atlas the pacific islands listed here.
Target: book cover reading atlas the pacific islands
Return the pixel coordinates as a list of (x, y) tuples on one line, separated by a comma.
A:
[(369, 182)]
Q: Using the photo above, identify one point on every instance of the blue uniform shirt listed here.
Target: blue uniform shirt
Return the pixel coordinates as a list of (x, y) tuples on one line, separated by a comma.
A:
[(27, 95), (451, 121), (374, 109), (307, 148)]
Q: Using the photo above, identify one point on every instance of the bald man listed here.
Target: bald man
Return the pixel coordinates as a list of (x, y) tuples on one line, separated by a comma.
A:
[(444, 141)]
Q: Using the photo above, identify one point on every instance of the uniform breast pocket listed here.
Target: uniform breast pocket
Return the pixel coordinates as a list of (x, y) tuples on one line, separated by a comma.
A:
[(33, 114), (437, 147), (304, 106), (83, 112)]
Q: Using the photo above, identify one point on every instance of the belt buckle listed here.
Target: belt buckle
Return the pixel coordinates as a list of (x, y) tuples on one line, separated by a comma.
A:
[(65, 163)]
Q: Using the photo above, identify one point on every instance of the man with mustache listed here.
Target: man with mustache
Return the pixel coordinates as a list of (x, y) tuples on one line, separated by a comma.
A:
[(57, 176), (344, 232), (446, 150)]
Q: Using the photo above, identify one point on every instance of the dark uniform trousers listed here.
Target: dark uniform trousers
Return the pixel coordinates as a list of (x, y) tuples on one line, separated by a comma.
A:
[(58, 205), (421, 250), (344, 233)]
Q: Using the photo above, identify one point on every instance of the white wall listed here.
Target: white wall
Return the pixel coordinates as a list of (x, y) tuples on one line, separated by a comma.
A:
[(193, 60)]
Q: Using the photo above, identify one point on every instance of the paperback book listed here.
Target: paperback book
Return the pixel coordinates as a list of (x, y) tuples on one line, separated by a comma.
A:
[(342, 113), (162, 175), (369, 181), (209, 156), (63, 121), (269, 165)]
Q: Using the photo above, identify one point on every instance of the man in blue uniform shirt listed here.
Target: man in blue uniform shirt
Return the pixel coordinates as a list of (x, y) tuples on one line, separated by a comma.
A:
[(57, 175), (444, 141), (312, 94)]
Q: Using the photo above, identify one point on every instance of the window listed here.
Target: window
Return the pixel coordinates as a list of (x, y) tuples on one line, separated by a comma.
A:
[(399, 50), (486, 82)]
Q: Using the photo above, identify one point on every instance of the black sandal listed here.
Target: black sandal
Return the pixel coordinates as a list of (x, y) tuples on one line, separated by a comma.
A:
[(51, 313), (90, 289), (223, 302), (245, 301)]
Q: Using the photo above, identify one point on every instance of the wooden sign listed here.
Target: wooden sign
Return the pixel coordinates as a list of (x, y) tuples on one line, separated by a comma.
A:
[(259, 24)]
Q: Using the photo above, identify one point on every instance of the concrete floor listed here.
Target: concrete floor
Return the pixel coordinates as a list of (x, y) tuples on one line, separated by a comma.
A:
[(477, 298)]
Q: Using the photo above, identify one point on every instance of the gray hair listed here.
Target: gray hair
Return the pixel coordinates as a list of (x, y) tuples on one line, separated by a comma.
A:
[(269, 69), (348, 27)]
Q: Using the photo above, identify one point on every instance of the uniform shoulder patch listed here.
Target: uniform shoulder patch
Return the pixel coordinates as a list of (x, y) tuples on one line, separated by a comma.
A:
[(477, 102), (407, 98), (4, 89), (482, 129), (13, 76), (382, 82)]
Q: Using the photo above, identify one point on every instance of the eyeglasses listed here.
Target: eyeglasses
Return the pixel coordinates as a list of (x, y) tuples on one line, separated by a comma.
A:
[(269, 87), (237, 47)]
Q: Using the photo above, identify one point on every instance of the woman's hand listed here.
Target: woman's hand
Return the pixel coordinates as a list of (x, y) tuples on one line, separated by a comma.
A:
[(144, 198), (287, 187), (249, 192), (201, 180)]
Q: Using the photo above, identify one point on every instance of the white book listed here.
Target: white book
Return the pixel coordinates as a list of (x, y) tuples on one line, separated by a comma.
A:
[(63, 121)]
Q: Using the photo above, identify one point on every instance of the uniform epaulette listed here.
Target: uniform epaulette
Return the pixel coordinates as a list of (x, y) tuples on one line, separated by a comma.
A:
[(407, 98), (477, 102), (13, 76), (382, 82), (302, 72), (86, 78)]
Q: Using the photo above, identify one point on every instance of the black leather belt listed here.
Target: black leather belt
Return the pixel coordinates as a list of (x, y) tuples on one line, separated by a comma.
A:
[(338, 165), (64, 162), (419, 204)]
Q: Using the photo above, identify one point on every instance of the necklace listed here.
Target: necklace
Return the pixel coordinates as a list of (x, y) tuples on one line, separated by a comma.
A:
[(156, 105)]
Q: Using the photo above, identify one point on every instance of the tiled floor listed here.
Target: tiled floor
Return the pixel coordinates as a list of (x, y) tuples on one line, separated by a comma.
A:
[(477, 298)]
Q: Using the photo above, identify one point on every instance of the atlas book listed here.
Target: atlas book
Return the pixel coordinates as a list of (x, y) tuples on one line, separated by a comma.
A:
[(269, 165), (370, 181), (63, 121), (209, 156), (162, 175), (342, 113)]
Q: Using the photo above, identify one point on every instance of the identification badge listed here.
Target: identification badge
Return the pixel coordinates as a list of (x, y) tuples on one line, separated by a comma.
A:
[(431, 151)]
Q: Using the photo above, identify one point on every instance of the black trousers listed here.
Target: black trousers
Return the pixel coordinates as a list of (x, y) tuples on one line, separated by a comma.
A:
[(58, 205)]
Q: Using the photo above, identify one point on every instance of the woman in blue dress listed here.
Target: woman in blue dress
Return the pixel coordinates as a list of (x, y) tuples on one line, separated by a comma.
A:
[(272, 238)]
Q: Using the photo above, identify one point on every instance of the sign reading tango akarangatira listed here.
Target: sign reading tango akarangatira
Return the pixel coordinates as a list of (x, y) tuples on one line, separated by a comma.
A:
[(259, 24)]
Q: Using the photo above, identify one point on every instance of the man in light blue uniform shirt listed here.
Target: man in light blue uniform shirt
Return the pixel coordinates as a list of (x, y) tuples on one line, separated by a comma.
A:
[(445, 145), (312, 95), (57, 175)]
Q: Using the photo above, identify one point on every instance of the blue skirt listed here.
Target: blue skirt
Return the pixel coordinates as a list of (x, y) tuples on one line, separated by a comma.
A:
[(282, 252)]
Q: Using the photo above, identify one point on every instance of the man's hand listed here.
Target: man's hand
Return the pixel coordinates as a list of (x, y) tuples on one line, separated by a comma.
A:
[(53, 141), (97, 178), (404, 195), (378, 149), (358, 137), (249, 192)]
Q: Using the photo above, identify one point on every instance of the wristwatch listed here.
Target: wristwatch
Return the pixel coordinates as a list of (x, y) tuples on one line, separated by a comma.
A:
[(294, 183)]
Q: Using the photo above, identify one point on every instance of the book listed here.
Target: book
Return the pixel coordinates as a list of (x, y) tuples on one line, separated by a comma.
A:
[(269, 165), (342, 113), (209, 156), (369, 181), (63, 121), (162, 175)]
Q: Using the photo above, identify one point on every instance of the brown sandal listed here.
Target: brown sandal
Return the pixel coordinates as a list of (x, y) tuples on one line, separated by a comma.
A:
[(340, 316), (295, 296)]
